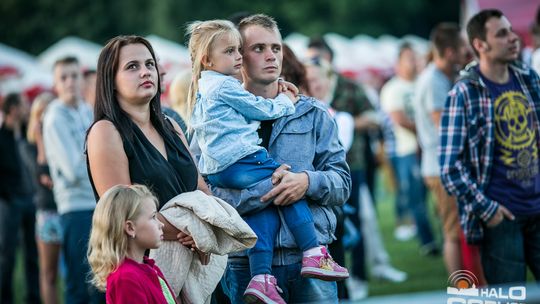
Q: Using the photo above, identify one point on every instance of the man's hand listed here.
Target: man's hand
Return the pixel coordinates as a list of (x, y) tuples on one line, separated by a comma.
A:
[(279, 173), (293, 187), (499, 216)]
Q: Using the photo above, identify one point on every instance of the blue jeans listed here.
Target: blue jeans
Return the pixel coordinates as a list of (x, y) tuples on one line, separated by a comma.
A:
[(411, 194), (295, 288), (247, 172), (508, 248), (18, 215), (76, 228), (265, 224), (358, 178)]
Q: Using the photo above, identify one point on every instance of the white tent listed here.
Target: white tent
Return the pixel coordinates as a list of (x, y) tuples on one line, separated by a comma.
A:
[(173, 56), (362, 52), (25, 71), (85, 51)]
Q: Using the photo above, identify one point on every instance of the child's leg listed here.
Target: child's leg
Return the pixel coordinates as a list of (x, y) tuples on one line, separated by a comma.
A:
[(300, 221), (265, 224), (246, 172), (316, 261)]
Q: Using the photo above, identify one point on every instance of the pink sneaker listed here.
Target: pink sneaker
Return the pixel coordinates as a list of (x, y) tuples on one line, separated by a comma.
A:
[(263, 292), (323, 267)]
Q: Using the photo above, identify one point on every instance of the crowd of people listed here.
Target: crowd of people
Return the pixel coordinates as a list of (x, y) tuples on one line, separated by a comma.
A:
[(258, 174)]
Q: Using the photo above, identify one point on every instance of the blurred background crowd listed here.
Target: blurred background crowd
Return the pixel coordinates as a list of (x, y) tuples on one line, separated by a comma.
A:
[(355, 54)]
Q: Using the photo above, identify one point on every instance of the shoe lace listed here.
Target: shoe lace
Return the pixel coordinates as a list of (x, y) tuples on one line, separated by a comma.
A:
[(272, 280), (327, 261)]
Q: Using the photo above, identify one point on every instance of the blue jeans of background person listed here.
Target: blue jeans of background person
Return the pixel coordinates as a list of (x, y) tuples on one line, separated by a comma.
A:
[(508, 248), (247, 172), (296, 289), (358, 178), (411, 194), (18, 215), (76, 227)]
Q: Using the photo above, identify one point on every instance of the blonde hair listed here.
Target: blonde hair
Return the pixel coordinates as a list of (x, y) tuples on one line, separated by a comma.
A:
[(36, 114), (178, 93), (202, 35), (108, 243)]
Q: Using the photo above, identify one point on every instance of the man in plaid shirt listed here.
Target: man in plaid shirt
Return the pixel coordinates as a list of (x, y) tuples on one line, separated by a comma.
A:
[(489, 151)]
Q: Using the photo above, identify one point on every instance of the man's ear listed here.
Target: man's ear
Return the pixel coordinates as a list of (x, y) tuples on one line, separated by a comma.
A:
[(479, 45), (129, 228)]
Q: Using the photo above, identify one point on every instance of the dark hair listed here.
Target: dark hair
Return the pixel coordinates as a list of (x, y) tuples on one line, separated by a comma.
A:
[(445, 35), (405, 46), (65, 61), (476, 27), (88, 73), (10, 101), (321, 44), (293, 70), (107, 106)]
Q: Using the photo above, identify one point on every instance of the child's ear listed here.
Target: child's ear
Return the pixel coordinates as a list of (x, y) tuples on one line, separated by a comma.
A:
[(206, 61), (129, 228)]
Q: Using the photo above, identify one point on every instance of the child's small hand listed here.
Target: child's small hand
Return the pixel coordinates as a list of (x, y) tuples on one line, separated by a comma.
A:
[(289, 86)]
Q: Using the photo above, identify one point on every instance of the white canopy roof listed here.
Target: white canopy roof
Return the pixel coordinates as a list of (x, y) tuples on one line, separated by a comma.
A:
[(27, 71), (86, 51)]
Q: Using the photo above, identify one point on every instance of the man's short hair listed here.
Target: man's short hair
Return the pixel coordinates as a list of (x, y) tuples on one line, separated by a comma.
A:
[(88, 73), (10, 101), (476, 27), (65, 61), (321, 44), (405, 46), (262, 20), (445, 35)]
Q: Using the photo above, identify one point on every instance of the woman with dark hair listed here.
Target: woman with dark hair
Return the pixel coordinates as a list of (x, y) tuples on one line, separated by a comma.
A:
[(292, 70), (131, 141)]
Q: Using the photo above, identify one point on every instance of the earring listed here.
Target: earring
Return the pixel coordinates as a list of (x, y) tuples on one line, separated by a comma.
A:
[(210, 64), (132, 236)]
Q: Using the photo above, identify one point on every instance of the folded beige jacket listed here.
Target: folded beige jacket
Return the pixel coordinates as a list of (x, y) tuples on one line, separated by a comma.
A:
[(216, 228)]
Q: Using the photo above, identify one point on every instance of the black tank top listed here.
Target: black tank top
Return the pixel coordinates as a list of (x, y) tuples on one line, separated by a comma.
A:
[(166, 178)]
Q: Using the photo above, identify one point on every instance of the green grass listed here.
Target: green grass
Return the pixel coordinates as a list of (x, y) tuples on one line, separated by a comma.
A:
[(424, 273)]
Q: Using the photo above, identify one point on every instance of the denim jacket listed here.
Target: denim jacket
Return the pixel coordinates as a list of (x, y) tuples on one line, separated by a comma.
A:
[(467, 143), (226, 118), (308, 142)]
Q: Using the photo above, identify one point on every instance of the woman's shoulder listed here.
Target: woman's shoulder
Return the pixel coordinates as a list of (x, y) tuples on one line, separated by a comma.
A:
[(103, 132), (102, 127)]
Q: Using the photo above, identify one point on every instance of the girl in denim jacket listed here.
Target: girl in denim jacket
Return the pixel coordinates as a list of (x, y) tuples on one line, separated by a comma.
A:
[(224, 119)]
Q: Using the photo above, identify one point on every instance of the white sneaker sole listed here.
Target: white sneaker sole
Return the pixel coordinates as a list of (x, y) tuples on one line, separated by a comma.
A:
[(252, 295), (323, 274)]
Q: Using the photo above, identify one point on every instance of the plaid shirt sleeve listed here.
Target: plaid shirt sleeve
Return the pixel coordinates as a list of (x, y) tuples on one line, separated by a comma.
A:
[(453, 149)]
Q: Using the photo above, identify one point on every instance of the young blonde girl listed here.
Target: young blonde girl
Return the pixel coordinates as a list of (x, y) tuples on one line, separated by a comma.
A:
[(124, 226), (225, 118)]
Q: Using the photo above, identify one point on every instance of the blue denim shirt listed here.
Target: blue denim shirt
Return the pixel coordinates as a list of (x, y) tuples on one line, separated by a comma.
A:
[(308, 142), (226, 118)]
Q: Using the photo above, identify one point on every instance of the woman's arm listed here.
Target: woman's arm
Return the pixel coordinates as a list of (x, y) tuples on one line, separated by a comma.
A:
[(201, 185), (107, 159)]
